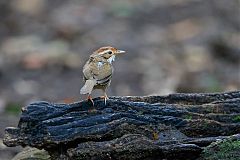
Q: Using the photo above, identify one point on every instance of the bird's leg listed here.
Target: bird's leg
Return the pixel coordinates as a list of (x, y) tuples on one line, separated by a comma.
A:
[(105, 96), (90, 98)]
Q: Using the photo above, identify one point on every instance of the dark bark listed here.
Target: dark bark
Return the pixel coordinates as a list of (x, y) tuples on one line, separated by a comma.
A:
[(152, 127)]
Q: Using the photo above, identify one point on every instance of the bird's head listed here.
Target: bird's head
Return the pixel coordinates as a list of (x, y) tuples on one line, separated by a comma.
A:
[(109, 53)]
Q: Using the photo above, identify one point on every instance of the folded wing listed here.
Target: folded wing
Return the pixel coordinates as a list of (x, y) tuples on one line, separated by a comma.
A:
[(88, 86)]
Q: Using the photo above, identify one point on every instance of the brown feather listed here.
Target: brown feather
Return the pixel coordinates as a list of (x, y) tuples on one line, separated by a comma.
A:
[(88, 86)]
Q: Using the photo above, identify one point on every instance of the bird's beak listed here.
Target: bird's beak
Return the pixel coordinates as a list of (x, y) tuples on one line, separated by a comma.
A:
[(120, 51)]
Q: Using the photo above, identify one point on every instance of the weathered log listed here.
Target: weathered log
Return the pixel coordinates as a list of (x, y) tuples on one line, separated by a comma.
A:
[(151, 127)]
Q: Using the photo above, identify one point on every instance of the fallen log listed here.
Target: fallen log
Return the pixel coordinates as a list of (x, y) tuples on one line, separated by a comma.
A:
[(150, 127)]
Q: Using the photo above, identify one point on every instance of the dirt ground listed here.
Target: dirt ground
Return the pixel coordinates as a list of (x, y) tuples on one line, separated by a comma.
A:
[(172, 46)]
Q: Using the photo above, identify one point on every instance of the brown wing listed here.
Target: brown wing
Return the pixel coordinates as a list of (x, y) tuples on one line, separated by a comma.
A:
[(101, 74), (88, 86)]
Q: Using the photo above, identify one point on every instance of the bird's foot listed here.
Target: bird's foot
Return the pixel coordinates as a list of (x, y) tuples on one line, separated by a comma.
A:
[(90, 99), (105, 99)]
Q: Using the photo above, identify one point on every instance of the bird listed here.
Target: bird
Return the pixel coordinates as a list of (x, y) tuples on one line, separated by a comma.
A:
[(98, 70)]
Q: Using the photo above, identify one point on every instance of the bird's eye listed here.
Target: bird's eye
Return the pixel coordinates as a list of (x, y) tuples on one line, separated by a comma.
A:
[(110, 52)]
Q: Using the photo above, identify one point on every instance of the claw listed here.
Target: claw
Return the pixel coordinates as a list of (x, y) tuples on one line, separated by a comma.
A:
[(90, 98), (105, 97)]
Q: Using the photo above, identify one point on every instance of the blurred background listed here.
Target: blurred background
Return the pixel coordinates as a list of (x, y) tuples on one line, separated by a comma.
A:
[(172, 46)]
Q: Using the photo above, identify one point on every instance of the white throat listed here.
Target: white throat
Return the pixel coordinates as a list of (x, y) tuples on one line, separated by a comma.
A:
[(99, 64), (111, 59)]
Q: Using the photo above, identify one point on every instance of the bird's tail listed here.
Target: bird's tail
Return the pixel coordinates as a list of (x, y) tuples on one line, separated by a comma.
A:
[(88, 86)]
